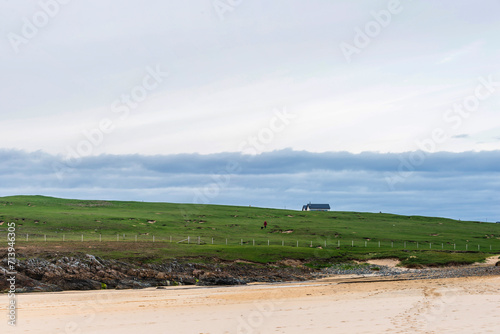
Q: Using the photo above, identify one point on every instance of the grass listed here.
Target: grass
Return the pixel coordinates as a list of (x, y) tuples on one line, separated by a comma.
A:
[(429, 240)]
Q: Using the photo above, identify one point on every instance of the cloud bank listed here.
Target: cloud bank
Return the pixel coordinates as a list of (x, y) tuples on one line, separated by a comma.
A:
[(456, 185)]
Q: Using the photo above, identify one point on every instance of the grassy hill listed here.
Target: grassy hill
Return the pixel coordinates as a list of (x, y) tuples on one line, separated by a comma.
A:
[(128, 229)]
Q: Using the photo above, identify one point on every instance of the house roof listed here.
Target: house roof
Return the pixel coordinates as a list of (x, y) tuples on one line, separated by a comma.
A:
[(319, 206)]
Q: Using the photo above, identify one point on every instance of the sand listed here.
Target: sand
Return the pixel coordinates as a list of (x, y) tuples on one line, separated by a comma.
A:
[(458, 305), (489, 261), (391, 263)]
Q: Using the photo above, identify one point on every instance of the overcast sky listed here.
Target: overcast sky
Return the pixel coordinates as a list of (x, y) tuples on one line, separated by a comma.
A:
[(129, 79)]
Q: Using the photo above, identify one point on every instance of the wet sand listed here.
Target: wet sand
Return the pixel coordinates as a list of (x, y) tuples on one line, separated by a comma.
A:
[(453, 305)]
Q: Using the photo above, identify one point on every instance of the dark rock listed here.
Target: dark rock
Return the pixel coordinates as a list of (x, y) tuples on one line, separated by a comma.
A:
[(79, 284), (85, 272), (210, 280)]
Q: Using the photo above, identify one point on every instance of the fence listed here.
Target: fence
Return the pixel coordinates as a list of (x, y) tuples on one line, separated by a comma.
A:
[(486, 245)]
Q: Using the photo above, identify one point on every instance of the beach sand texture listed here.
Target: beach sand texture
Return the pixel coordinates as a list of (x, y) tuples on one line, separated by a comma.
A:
[(453, 305)]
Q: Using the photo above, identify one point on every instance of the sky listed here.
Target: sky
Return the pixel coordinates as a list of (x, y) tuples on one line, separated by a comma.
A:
[(368, 106)]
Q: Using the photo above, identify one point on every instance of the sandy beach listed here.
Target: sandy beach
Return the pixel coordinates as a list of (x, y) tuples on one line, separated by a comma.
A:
[(334, 305)]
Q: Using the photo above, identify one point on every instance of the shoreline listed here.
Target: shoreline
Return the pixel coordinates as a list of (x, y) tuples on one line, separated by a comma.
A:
[(88, 272)]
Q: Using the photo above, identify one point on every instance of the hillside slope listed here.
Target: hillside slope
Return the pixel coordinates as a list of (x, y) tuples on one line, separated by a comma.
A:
[(38, 215)]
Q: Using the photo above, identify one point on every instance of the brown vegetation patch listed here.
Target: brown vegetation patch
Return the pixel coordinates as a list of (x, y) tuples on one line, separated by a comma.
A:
[(291, 263)]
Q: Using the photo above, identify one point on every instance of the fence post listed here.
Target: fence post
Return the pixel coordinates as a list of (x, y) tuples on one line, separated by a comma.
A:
[(339, 243), (466, 247), (82, 237), (100, 237), (45, 237), (454, 246), (241, 242), (188, 239), (365, 243), (253, 242), (63, 237), (268, 242), (226, 241), (311, 243), (27, 238)]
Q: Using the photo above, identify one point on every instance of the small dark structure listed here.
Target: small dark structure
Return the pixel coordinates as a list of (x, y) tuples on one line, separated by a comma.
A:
[(316, 207)]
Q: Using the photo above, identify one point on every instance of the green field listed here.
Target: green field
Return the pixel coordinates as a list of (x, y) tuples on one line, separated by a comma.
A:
[(165, 230)]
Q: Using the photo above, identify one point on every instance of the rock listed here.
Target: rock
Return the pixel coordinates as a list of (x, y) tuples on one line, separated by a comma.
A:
[(161, 276), (80, 284), (131, 284), (187, 280), (80, 271), (213, 279), (122, 287), (27, 284), (197, 273), (132, 272)]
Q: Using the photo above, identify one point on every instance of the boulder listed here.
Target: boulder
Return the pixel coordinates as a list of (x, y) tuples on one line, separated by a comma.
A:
[(211, 279), (79, 284)]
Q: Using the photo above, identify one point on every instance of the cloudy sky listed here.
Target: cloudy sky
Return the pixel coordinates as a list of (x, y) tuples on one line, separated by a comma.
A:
[(269, 103)]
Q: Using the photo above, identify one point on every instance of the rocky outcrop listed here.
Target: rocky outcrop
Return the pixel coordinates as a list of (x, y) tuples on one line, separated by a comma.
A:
[(56, 272), (219, 279)]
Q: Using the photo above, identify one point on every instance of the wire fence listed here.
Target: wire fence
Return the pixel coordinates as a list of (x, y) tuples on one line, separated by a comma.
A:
[(314, 242)]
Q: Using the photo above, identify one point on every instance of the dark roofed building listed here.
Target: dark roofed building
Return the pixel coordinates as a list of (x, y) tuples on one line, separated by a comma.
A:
[(316, 207)]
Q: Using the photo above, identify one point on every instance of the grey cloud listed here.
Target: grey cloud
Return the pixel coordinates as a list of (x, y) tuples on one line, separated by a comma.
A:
[(459, 185), (289, 161)]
